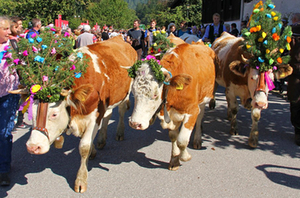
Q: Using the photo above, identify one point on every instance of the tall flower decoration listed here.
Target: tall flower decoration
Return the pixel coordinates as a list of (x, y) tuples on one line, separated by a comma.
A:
[(44, 65), (160, 43), (263, 38)]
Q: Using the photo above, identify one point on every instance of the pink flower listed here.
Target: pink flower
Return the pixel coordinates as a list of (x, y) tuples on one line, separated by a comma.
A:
[(158, 61), (6, 47), (22, 35), (275, 68), (34, 49), (53, 51), (73, 67), (45, 78), (33, 35), (16, 61), (25, 53), (67, 34), (150, 57), (53, 29), (8, 55)]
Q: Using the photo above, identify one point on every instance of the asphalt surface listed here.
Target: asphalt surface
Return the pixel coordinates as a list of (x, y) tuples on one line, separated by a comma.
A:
[(137, 166)]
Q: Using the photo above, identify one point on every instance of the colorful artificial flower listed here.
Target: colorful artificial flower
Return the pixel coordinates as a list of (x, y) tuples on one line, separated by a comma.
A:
[(44, 47), (35, 88), (34, 49), (53, 51), (39, 39), (33, 35), (30, 40), (73, 67), (25, 53), (16, 61), (67, 34), (45, 78), (79, 55)]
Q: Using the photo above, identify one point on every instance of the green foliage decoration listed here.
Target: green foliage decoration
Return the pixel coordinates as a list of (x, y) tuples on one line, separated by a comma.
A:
[(160, 43), (263, 40), (154, 65), (46, 64)]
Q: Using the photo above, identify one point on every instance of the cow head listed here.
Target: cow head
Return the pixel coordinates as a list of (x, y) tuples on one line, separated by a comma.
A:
[(50, 120), (259, 83), (148, 96)]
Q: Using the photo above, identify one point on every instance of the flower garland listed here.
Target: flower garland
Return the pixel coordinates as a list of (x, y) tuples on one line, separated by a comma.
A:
[(160, 43), (263, 40), (44, 61), (154, 65)]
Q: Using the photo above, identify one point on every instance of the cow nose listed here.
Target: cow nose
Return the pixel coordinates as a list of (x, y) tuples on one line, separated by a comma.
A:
[(135, 125), (261, 104), (33, 149)]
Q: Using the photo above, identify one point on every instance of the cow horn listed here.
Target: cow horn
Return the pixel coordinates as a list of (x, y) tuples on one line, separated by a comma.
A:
[(19, 91), (167, 75), (245, 60), (64, 92)]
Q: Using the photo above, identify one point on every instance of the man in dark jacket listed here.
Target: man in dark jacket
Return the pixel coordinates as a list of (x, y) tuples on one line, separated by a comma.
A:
[(214, 30), (135, 37), (294, 79)]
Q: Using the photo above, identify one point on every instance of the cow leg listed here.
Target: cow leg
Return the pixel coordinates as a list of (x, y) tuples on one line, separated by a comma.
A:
[(174, 162), (198, 132), (123, 107), (253, 137), (102, 136), (86, 148), (232, 110), (212, 102)]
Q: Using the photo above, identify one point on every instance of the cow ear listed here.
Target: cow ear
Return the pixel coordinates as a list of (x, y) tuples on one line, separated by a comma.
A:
[(81, 94), (238, 68), (283, 71), (180, 81)]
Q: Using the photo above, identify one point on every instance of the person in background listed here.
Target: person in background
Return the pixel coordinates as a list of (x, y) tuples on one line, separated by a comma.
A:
[(214, 30), (86, 38), (105, 35), (172, 30), (195, 31), (293, 89), (8, 103), (183, 29), (136, 37), (234, 31), (36, 26)]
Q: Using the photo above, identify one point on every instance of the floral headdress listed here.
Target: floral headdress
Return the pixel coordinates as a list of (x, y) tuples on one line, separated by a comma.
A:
[(160, 43), (44, 64), (263, 39), (154, 65)]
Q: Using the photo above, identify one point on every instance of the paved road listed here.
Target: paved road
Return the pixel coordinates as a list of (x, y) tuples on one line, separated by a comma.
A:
[(137, 166)]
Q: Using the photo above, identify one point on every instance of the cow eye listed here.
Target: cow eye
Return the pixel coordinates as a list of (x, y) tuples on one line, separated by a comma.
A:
[(53, 116)]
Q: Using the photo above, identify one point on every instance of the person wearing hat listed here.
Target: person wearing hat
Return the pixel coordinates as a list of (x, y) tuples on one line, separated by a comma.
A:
[(86, 38)]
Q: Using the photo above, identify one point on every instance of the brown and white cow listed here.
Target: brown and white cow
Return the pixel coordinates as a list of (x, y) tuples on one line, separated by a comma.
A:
[(191, 87), (104, 86), (242, 81)]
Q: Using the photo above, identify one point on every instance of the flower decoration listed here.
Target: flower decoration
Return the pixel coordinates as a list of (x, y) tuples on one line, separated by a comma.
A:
[(160, 43), (154, 65), (44, 66), (33, 35), (263, 38)]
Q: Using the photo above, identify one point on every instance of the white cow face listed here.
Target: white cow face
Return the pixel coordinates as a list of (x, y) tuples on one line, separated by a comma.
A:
[(147, 93), (56, 122), (258, 88)]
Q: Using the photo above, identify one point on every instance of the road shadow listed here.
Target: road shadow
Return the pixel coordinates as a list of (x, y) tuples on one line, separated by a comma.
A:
[(279, 175)]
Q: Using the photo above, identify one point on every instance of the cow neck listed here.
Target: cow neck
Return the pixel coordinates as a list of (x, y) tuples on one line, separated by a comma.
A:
[(41, 118), (164, 102), (261, 83)]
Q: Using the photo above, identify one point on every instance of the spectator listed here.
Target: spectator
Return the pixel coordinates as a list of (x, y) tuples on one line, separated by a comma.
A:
[(227, 27), (172, 30), (20, 24), (293, 90), (105, 35), (86, 38), (36, 26), (183, 29), (8, 104), (195, 31), (234, 30), (136, 37), (243, 25), (214, 30)]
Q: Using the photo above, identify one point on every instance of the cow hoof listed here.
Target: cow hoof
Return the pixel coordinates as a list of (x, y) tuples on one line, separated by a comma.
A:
[(197, 145), (101, 145), (119, 137), (234, 132), (174, 163), (80, 187), (253, 139), (212, 104), (186, 158)]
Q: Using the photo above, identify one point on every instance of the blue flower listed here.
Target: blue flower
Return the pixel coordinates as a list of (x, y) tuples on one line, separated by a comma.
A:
[(39, 39), (77, 75), (44, 47), (269, 16), (37, 58), (56, 68), (41, 60), (273, 30), (30, 40), (280, 25), (79, 55)]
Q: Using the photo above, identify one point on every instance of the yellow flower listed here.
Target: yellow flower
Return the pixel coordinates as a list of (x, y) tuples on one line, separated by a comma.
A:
[(157, 32), (267, 51), (263, 35), (154, 44), (258, 27), (273, 13), (35, 88), (163, 31), (275, 18)]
